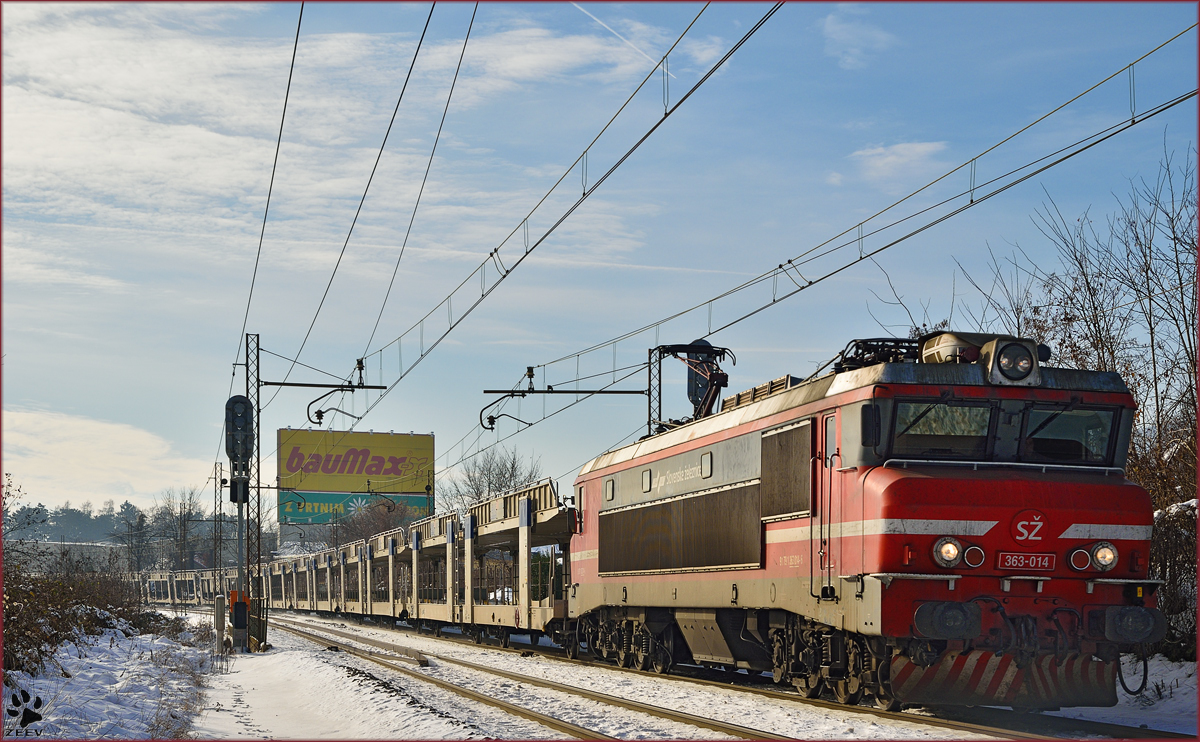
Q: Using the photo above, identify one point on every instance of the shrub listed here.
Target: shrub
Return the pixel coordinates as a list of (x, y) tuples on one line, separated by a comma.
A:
[(1173, 560)]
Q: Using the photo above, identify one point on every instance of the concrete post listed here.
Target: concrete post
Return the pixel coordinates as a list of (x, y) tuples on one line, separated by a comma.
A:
[(469, 570), (524, 527)]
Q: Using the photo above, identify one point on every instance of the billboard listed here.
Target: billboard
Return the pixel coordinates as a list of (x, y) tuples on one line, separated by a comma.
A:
[(304, 508), (321, 472)]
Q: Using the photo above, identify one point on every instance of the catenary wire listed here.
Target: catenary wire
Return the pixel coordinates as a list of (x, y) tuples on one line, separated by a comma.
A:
[(266, 209), (479, 433), (1110, 133), (361, 201), (775, 272), (305, 365), (768, 275), (421, 190), (455, 322), (910, 234), (583, 398)]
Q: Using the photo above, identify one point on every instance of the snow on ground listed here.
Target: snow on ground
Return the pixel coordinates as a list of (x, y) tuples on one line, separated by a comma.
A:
[(733, 706), (145, 686), (1168, 703), (298, 690), (107, 687)]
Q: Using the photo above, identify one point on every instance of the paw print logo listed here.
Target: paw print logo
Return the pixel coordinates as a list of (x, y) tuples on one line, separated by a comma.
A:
[(21, 707)]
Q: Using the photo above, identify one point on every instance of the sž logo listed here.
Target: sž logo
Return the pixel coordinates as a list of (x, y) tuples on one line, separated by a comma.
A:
[(1027, 526)]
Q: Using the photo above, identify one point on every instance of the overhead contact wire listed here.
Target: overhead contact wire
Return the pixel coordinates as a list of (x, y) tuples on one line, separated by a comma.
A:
[(557, 183), (561, 219), (421, 191), (1103, 136), (263, 231), (361, 201)]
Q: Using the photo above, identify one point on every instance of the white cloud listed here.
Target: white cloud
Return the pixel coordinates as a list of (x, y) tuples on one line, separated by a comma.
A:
[(834, 179), (851, 41), (704, 51), (58, 457), (898, 162)]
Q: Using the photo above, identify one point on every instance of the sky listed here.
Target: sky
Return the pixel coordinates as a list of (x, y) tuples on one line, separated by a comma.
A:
[(138, 144)]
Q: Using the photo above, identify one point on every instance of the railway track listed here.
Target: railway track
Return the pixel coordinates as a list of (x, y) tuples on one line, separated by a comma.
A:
[(733, 730), (992, 722), (391, 663), (672, 715)]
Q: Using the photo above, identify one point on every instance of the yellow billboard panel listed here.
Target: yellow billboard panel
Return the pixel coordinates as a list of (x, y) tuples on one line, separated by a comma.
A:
[(341, 461)]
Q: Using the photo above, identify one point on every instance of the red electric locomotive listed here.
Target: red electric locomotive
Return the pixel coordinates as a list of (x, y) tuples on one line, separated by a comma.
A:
[(937, 521)]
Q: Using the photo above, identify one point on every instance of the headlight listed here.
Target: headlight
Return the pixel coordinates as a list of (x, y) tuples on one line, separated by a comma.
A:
[(947, 551), (1104, 556), (1015, 361)]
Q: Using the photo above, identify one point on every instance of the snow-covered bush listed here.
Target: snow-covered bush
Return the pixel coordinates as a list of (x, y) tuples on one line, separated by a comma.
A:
[(1173, 560)]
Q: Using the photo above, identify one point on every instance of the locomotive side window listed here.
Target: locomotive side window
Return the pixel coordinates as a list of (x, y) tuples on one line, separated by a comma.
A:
[(831, 447), (610, 488), (1057, 433), (786, 470), (706, 465), (647, 479), (938, 430)]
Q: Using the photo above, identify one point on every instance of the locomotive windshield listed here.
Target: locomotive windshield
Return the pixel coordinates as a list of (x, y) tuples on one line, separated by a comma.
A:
[(1044, 432), (942, 429), (1064, 435)]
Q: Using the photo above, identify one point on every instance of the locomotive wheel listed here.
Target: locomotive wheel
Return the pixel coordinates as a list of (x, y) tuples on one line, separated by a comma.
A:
[(571, 645), (625, 658), (779, 658), (505, 640), (885, 702), (660, 661), (884, 698), (642, 660), (849, 692), (810, 686)]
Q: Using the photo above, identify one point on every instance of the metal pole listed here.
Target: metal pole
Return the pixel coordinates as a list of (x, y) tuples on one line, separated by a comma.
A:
[(241, 579)]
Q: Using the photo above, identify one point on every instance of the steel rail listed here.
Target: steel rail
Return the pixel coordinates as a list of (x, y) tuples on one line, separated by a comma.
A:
[(1019, 725), (551, 722), (959, 726), (734, 730)]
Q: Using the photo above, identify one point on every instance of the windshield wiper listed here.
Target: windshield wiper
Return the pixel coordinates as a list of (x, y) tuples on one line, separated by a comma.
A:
[(1070, 406), (924, 412)]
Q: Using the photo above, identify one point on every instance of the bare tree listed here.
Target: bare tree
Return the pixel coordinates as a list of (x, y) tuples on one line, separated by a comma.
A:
[(490, 473), (175, 517), (1124, 299), (22, 523), (1009, 303), (383, 515), (130, 529), (1155, 262)]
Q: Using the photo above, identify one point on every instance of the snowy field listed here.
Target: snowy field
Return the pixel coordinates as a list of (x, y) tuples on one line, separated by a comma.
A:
[(1168, 703), (108, 687), (140, 687)]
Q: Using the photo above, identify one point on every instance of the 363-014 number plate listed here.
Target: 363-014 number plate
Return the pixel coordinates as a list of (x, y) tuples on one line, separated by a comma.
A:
[(1009, 560)]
